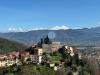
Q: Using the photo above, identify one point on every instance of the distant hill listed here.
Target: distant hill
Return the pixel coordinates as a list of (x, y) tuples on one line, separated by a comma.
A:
[(8, 46), (83, 36)]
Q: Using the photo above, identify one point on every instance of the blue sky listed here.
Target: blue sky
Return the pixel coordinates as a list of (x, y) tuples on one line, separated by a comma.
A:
[(30, 14)]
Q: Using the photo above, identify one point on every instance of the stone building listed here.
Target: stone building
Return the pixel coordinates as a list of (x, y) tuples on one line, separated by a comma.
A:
[(54, 46)]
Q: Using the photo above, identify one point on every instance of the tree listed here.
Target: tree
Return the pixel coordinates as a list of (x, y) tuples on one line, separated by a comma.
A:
[(46, 40)]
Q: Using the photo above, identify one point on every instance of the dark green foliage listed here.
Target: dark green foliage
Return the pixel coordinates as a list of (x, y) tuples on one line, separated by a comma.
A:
[(46, 40), (8, 46), (69, 73), (45, 70), (30, 69), (45, 57)]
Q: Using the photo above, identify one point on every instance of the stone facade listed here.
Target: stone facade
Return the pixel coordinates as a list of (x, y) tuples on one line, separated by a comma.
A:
[(54, 46)]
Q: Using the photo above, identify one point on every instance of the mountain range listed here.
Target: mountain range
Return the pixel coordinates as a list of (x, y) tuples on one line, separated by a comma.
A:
[(85, 36)]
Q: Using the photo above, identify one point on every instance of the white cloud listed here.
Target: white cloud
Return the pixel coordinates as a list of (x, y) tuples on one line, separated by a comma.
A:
[(24, 30), (38, 28), (12, 29), (63, 27), (16, 29)]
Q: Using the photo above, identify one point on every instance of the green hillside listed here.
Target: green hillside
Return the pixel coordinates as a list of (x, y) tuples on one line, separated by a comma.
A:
[(8, 46)]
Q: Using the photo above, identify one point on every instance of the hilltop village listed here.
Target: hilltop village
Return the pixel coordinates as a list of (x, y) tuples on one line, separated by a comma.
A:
[(50, 54)]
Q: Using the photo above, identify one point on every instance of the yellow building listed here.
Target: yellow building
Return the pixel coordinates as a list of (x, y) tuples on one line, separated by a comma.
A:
[(38, 51)]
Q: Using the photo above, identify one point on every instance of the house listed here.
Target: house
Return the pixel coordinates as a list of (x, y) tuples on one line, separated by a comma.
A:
[(55, 46), (10, 62), (75, 73), (71, 50), (9, 59), (3, 59), (79, 55), (24, 53), (3, 63), (38, 51), (37, 56), (52, 65), (55, 68), (24, 56), (3, 56), (36, 59)]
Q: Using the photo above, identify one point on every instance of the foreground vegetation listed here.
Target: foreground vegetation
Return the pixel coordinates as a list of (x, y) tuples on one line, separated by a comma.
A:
[(31, 69), (78, 68)]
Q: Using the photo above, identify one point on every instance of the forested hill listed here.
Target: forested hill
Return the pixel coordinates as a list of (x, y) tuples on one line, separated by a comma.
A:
[(8, 46)]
